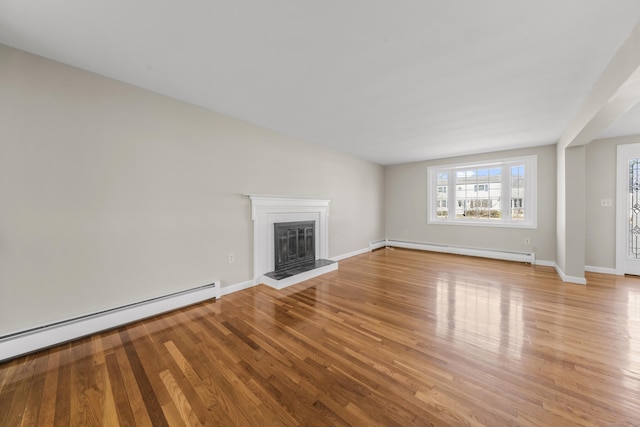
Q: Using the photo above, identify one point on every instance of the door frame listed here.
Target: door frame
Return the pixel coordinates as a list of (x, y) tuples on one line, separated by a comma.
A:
[(624, 152)]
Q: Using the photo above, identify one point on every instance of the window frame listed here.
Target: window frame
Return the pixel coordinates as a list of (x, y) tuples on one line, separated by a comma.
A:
[(505, 164)]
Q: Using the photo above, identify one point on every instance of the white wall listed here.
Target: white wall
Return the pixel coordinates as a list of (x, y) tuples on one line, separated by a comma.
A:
[(111, 194), (406, 208)]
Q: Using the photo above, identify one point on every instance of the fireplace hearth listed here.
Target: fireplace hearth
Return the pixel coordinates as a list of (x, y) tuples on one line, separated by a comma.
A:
[(299, 269)]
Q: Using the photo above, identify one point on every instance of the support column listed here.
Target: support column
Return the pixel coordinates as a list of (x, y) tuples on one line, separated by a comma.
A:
[(616, 91)]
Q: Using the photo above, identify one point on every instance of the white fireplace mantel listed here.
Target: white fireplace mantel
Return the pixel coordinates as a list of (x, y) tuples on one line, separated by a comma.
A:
[(266, 210)]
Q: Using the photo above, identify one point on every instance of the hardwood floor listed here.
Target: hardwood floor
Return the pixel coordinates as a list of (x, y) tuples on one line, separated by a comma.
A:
[(394, 337)]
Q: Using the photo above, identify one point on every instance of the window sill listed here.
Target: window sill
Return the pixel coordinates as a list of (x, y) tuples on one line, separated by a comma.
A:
[(483, 224)]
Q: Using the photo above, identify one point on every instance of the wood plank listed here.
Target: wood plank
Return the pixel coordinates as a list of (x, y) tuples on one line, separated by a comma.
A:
[(63, 391), (179, 400), (18, 392), (119, 392), (144, 382), (47, 410), (36, 390)]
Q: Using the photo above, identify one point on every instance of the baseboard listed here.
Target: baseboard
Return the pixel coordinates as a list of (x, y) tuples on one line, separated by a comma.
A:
[(377, 245), (545, 263), (603, 270), (349, 255), (237, 287), (570, 279), (483, 253), (31, 340)]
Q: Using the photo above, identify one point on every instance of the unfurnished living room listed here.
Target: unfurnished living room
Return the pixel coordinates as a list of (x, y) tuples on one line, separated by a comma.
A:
[(296, 213)]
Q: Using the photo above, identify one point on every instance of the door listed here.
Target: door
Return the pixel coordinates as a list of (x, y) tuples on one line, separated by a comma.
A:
[(628, 210)]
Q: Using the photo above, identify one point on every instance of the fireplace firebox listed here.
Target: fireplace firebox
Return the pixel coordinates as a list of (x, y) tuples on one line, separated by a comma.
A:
[(294, 244)]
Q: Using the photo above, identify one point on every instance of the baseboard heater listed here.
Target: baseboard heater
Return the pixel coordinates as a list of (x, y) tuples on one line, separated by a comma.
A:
[(529, 257), (28, 341), (377, 245)]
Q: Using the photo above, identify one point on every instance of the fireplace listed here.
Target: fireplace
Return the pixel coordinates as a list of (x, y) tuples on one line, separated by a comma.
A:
[(269, 211), (294, 244)]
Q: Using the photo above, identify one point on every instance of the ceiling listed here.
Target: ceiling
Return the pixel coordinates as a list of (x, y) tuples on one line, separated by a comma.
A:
[(388, 81)]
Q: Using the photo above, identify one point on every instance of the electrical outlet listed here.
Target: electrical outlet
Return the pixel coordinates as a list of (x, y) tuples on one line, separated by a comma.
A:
[(405, 233), (527, 241), (231, 258)]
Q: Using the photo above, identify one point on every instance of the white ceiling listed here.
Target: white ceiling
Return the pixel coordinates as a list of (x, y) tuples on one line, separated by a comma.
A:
[(389, 81)]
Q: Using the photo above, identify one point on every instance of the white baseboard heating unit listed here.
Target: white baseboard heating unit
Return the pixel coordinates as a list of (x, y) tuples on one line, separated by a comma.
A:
[(529, 257), (28, 341)]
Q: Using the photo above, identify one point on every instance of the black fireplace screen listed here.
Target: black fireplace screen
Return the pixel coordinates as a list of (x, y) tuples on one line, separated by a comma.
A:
[(294, 244)]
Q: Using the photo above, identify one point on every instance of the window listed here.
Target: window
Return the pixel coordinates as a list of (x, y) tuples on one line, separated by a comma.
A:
[(500, 193)]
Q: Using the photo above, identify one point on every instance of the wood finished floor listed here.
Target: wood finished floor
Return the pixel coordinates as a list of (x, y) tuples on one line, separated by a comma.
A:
[(394, 337)]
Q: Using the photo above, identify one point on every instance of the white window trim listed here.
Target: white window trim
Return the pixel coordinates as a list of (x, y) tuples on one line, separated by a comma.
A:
[(530, 195)]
